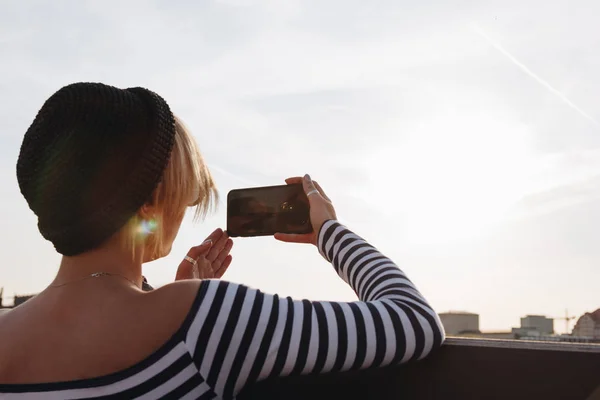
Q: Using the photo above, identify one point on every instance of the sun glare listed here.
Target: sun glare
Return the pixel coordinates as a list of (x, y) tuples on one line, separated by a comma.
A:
[(453, 177)]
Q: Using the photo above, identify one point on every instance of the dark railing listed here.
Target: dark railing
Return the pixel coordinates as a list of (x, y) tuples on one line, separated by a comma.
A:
[(462, 369)]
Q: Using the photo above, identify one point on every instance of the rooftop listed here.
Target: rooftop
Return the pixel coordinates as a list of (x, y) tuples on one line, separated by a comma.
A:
[(458, 313), (595, 315)]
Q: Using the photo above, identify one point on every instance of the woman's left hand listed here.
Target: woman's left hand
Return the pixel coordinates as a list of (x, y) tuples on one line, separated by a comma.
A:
[(212, 258)]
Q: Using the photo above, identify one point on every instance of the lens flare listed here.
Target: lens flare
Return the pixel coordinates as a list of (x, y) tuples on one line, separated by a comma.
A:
[(147, 227)]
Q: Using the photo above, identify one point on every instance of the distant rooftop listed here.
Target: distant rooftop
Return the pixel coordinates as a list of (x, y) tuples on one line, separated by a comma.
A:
[(457, 313), (595, 315), (16, 300)]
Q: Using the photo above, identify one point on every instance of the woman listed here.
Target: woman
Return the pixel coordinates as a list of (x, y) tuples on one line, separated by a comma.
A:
[(109, 173)]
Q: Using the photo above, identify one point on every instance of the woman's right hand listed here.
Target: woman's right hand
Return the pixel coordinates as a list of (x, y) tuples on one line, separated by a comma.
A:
[(321, 210), (212, 258)]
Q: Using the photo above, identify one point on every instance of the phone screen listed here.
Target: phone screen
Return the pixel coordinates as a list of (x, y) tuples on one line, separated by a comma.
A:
[(268, 210)]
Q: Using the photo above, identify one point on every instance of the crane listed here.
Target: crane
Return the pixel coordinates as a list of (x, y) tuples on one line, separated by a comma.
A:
[(567, 318)]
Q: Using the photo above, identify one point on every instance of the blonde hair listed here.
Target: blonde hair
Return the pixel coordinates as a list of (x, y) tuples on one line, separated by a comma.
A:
[(186, 182)]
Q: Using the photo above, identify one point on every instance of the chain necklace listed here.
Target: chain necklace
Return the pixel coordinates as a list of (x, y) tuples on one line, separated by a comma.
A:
[(96, 275)]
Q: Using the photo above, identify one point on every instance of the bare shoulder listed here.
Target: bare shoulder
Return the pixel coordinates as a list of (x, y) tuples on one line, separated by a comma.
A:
[(3, 314), (179, 290), (130, 326), (174, 300)]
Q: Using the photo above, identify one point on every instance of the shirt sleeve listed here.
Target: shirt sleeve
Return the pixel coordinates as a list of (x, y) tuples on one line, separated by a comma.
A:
[(241, 335)]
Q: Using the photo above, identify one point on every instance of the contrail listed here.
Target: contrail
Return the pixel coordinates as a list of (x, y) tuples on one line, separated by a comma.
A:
[(223, 171), (529, 72)]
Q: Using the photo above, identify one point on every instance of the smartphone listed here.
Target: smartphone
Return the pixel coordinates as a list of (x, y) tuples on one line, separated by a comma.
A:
[(264, 211)]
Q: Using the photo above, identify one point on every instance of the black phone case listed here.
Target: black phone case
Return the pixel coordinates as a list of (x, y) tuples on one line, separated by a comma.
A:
[(308, 228)]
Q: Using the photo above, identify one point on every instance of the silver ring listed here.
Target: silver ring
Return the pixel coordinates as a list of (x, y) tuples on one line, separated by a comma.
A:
[(312, 192), (191, 260)]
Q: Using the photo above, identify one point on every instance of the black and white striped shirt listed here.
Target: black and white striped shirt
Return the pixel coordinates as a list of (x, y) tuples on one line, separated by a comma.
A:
[(235, 335)]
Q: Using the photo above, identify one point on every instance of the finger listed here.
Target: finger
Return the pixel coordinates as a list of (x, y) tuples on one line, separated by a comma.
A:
[(293, 180), (221, 271), (309, 188), (217, 247), (199, 250), (215, 235), (298, 179), (216, 264), (321, 191), (225, 252), (204, 268), (226, 263), (293, 238)]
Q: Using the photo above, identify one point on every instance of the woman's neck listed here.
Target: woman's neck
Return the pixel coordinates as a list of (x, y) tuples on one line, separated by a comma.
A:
[(109, 259)]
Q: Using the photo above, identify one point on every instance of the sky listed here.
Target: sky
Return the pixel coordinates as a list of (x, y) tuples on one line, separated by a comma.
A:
[(461, 138)]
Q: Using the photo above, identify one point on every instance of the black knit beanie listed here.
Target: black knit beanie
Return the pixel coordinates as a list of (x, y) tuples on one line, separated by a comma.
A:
[(91, 158)]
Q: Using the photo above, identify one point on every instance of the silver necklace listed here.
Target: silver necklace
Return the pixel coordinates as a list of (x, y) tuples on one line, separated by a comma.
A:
[(96, 275)]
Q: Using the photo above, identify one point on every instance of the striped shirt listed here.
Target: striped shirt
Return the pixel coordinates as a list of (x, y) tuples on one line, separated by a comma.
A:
[(235, 335)]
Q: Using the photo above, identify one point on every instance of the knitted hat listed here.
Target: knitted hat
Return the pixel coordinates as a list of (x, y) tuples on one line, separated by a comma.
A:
[(91, 158)]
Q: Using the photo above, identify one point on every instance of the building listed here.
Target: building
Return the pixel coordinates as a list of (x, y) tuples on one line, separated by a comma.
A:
[(17, 300), (538, 323), (22, 299), (588, 325), (534, 326), (456, 322)]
